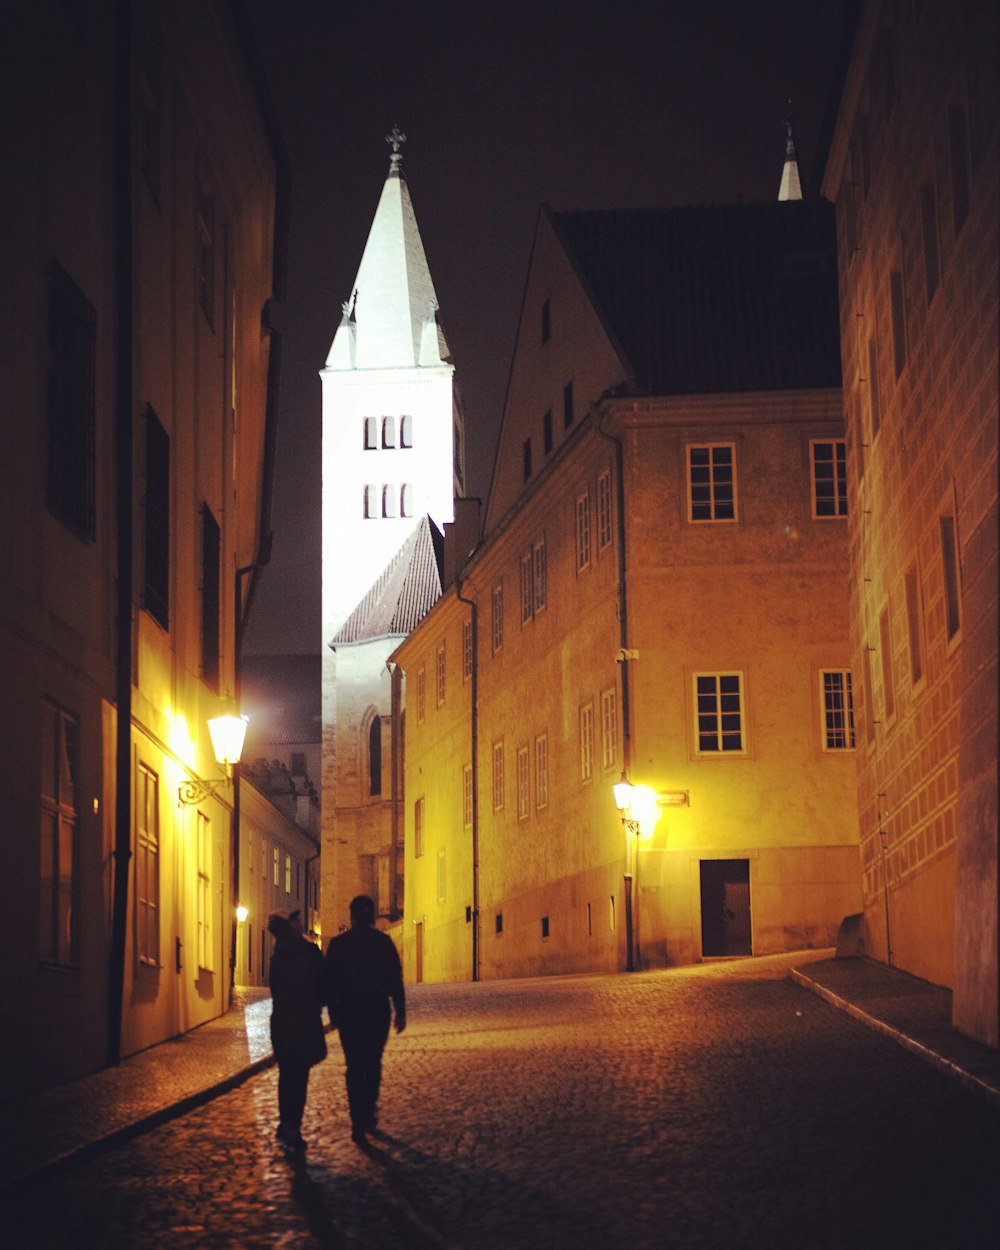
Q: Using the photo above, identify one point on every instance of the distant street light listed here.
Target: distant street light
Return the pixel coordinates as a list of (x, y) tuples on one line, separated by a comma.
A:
[(624, 794)]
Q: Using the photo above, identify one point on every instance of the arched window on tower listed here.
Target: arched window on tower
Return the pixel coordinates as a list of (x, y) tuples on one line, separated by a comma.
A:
[(375, 756), (406, 499), (388, 431), (371, 502), (371, 433), (389, 501), (406, 431)]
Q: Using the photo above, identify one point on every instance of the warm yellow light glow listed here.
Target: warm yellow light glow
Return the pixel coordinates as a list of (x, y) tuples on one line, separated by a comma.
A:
[(179, 739), (241, 914), (623, 794), (644, 809), (227, 734)]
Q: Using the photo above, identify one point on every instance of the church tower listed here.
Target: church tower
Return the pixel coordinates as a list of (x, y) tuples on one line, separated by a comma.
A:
[(393, 463)]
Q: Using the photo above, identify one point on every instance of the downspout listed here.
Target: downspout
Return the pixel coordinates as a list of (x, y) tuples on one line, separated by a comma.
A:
[(623, 666), (475, 776), (396, 784), (124, 519)]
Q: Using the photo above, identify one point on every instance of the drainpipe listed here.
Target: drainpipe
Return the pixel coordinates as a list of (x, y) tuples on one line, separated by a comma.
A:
[(396, 783), (124, 520), (623, 659), (473, 605)]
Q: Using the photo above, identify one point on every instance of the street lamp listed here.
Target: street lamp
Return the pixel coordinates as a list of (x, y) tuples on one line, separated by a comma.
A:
[(227, 734)]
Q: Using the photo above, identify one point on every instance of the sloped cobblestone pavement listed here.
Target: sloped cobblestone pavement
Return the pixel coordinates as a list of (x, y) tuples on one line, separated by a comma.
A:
[(718, 1106)]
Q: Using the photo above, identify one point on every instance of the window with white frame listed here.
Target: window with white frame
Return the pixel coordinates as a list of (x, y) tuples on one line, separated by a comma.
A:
[(467, 796), (147, 866), (609, 729), (604, 529), (371, 433), (406, 499), (527, 608), (719, 713), (418, 828), (542, 771), (497, 622), (388, 432), (838, 709), (587, 742), (712, 482), (523, 783), (583, 531), (421, 693), (439, 671), (829, 478), (204, 900), (497, 775), (388, 501), (406, 430), (539, 577), (59, 868), (466, 650), (371, 501)]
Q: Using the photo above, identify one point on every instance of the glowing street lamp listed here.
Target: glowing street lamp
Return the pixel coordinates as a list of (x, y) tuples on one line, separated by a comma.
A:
[(624, 793), (241, 914), (227, 734)]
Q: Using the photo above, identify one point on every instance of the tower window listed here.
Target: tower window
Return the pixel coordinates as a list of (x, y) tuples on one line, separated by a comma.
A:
[(526, 452), (371, 433), (371, 502), (406, 431), (375, 756), (388, 431), (388, 501), (406, 499), (568, 405)]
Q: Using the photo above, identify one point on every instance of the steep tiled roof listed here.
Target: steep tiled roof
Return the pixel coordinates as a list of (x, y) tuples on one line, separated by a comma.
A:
[(403, 594), (735, 297)]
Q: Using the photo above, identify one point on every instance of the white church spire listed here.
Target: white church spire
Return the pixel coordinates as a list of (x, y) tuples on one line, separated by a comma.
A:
[(393, 289), (791, 187)]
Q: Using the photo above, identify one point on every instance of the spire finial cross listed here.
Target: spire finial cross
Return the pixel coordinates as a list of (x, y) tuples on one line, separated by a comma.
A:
[(395, 139)]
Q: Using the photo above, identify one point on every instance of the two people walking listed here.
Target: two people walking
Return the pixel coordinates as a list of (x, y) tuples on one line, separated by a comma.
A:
[(359, 977)]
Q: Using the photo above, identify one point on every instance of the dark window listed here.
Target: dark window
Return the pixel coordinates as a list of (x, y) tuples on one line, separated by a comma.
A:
[(547, 431), (375, 756), (298, 763), (210, 594), (156, 545), (526, 451), (545, 926), (71, 401), (568, 405), (949, 560), (499, 923), (546, 322)]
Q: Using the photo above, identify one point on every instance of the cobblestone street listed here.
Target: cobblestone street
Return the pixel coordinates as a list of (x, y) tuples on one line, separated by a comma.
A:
[(718, 1106)]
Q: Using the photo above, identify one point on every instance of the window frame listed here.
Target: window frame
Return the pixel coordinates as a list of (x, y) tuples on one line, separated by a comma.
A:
[(714, 505), (830, 712), (700, 713), (605, 521), (586, 723), (837, 480), (583, 545)]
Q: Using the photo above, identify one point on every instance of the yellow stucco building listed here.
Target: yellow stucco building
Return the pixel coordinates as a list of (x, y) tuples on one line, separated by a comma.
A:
[(660, 594)]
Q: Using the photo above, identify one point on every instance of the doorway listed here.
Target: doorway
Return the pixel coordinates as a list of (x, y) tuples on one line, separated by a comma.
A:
[(418, 950), (725, 907)]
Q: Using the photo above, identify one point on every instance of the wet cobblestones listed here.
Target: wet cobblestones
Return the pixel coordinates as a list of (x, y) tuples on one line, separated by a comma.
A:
[(697, 1108)]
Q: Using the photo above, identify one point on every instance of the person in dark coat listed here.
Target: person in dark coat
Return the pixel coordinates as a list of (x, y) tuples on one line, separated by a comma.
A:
[(297, 1034), (363, 974)]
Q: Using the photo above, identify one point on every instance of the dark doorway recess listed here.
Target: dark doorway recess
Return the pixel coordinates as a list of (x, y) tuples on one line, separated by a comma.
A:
[(725, 907)]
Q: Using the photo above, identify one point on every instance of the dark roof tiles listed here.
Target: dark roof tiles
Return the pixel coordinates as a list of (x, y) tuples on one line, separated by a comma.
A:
[(702, 300)]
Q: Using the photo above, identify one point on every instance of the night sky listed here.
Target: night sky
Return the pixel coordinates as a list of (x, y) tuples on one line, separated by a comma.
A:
[(580, 105)]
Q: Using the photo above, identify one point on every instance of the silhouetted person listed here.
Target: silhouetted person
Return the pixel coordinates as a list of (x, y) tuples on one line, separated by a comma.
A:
[(363, 973), (296, 981)]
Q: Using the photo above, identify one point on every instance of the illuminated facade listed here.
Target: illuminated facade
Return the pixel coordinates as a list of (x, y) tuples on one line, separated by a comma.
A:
[(393, 458), (139, 231), (661, 592), (913, 173)]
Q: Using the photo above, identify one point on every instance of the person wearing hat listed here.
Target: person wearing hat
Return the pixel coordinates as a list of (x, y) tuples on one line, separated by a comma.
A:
[(297, 1033)]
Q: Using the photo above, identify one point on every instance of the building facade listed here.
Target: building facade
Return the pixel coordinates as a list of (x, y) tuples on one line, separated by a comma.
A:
[(139, 233), (393, 463), (661, 596), (913, 172)]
